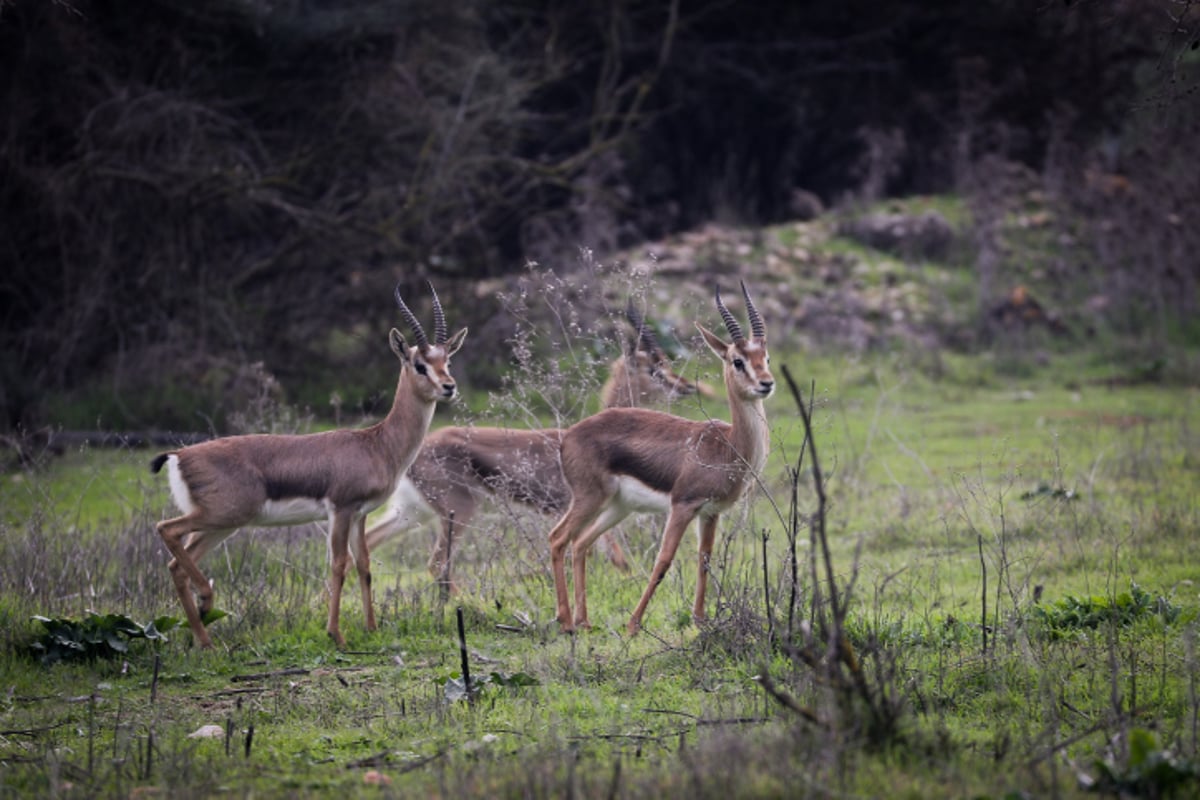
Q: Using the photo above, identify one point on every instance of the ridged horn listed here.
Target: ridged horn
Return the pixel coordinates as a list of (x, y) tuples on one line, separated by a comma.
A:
[(645, 334), (411, 319), (757, 328), (731, 324), (439, 318)]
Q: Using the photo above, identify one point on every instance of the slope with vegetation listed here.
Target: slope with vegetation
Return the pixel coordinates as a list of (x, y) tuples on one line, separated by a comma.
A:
[(963, 574)]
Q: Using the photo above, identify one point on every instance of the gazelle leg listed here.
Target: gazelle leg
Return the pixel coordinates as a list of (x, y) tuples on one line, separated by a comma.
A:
[(708, 534), (579, 568), (616, 555), (609, 516), (196, 548), (573, 521), (362, 564), (184, 571), (677, 522), (451, 524), (383, 530), (339, 561)]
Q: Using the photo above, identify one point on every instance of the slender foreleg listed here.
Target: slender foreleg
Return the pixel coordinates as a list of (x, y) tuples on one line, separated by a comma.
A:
[(677, 522), (339, 562), (708, 534), (362, 564)]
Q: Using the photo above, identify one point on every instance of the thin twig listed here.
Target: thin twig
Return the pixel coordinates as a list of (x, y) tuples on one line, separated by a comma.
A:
[(983, 621), (258, 676), (767, 591), (786, 700)]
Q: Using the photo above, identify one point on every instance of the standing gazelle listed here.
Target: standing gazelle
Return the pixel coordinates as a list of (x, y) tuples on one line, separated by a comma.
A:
[(625, 460), (340, 475), (458, 467)]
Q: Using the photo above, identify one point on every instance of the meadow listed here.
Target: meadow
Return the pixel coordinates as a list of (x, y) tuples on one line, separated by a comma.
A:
[(1003, 604)]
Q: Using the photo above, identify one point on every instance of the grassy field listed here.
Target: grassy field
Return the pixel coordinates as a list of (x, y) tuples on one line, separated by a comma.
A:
[(1017, 554)]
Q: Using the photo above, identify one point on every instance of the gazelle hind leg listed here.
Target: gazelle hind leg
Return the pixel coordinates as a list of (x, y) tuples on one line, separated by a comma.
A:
[(616, 554), (198, 546), (609, 516), (451, 524), (186, 573), (573, 521)]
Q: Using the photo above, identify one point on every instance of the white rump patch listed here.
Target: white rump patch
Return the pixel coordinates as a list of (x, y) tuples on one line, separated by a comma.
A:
[(179, 489)]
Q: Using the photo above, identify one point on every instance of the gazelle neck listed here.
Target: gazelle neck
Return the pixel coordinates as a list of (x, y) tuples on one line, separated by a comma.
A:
[(750, 435), (410, 415)]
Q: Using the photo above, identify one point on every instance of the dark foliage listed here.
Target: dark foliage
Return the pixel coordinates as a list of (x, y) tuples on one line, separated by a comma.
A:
[(233, 180), (94, 637)]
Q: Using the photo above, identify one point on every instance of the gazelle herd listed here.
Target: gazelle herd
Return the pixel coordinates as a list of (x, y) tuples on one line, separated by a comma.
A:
[(623, 460), (457, 467)]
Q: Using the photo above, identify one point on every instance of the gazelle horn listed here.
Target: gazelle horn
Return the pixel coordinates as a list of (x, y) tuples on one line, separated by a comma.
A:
[(411, 319), (731, 324), (756, 324), (645, 334), (439, 319)]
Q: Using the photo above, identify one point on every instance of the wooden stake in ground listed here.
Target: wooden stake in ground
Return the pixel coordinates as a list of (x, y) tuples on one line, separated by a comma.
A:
[(466, 661)]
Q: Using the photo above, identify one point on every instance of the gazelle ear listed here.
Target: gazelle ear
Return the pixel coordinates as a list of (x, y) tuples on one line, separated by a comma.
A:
[(399, 346), (714, 342), (456, 341)]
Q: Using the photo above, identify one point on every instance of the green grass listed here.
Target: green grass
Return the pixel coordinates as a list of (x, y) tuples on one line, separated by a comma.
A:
[(927, 475)]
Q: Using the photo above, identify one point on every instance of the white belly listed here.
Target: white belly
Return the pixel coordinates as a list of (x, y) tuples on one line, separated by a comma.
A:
[(636, 497), (407, 506), (299, 510), (293, 511)]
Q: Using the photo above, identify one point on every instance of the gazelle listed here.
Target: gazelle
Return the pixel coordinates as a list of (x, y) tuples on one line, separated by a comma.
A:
[(643, 373), (458, 467), (262, 479), (625, 460)]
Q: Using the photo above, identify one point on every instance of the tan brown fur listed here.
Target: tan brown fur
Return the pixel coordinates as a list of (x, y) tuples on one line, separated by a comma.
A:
[(698, 469), (458, 467), (340, 475), (642, 377)]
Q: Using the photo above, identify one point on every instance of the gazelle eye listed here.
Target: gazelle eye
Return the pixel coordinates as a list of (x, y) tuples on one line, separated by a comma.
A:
[(739, 365), (420, 368)]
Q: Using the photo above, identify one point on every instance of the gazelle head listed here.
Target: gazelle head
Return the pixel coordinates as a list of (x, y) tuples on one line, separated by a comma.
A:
[(648, 362), (747, 363), (430, 363)]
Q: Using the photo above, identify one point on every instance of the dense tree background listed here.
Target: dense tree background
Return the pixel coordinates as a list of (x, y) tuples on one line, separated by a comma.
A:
[(186, 184)]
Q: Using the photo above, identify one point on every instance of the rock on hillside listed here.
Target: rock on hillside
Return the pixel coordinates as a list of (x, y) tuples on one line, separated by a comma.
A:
[(810, 284)]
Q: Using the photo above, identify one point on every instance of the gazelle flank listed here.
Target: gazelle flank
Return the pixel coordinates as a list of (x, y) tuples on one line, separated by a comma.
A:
[(339, 476), (458, 468), (628, 460)]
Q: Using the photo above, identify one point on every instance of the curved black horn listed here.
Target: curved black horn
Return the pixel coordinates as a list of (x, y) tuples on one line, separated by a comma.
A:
[(756, 324), (439, 318), (645, 334), (731, 324), (411, 319)]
